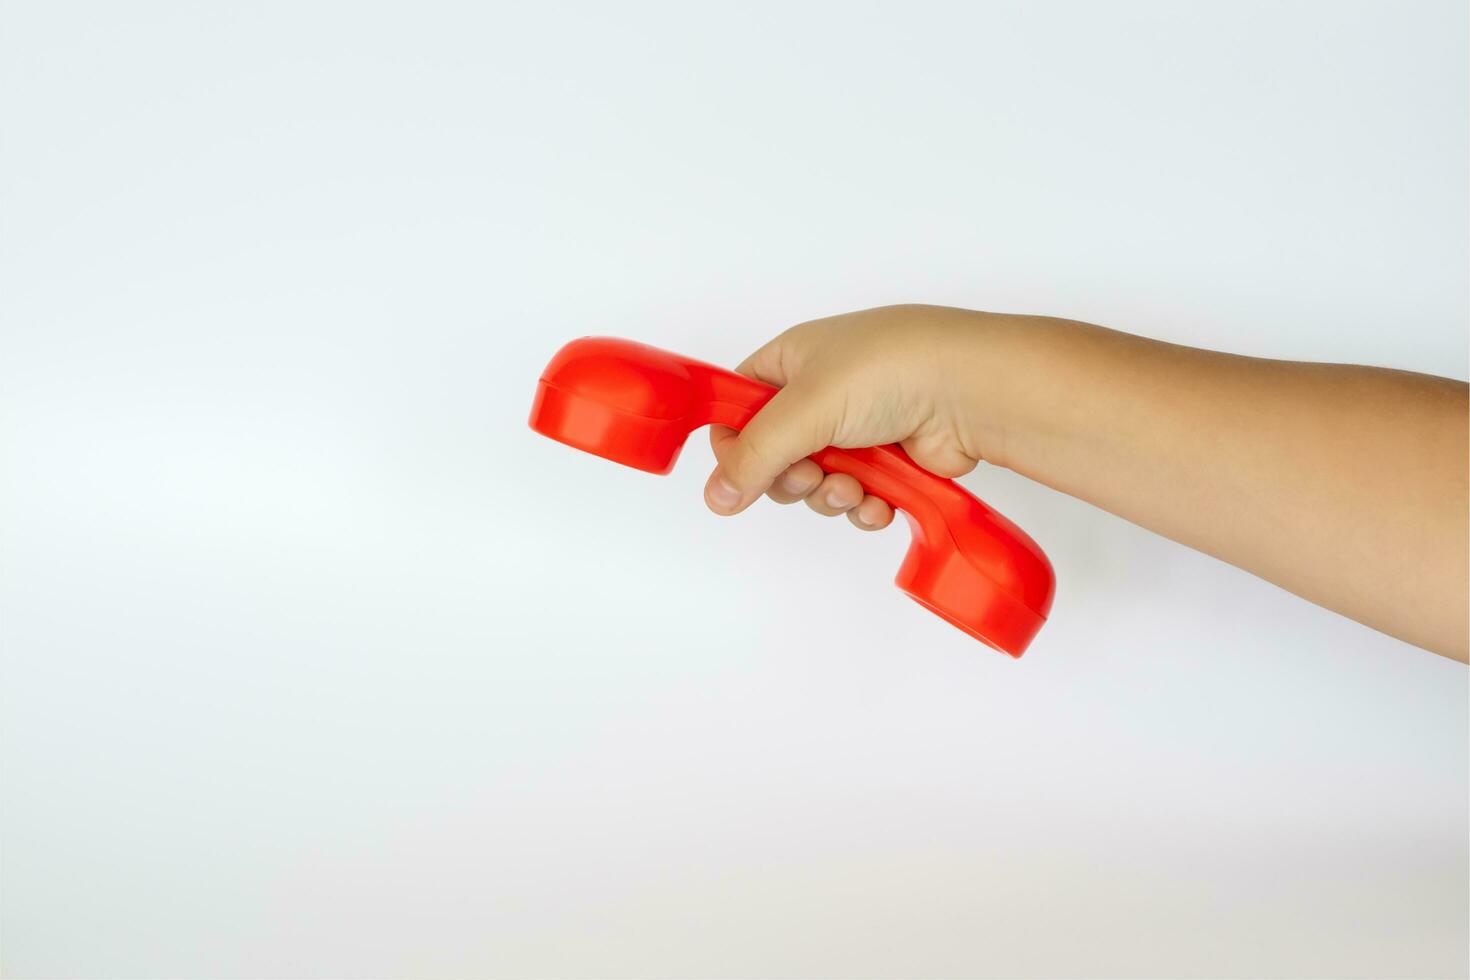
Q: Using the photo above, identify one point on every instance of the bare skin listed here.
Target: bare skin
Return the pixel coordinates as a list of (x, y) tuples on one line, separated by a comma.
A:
[(1346, 485)]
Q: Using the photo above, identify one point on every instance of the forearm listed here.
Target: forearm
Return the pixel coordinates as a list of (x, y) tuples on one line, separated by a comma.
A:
[(1343, 484)]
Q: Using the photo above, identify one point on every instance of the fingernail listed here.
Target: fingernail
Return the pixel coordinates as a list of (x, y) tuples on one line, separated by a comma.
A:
[(794, 483), (722, 494), (862, 520), (834, 499)]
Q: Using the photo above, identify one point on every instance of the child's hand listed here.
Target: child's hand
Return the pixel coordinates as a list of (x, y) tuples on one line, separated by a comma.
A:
[(904, 374), (1343, 484)]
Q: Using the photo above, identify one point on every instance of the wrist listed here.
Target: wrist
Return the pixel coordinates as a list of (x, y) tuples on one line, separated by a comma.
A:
[(999, 372)]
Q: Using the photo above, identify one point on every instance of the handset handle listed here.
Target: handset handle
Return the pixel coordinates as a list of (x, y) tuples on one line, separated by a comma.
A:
[(636, 404)]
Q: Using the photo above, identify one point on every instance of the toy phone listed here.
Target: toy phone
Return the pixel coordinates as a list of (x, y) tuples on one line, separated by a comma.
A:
[(636, 404)]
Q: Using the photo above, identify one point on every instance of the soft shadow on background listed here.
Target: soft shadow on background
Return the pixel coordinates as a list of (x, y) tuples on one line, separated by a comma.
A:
[(317, 663)]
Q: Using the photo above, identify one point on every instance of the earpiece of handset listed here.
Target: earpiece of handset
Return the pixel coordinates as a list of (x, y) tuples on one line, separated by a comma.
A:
[(636, 405)]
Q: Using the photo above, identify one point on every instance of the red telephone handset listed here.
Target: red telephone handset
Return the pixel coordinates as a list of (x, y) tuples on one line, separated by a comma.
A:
[(636, 404)]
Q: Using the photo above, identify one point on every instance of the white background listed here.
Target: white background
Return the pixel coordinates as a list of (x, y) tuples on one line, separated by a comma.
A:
[(318, 663)]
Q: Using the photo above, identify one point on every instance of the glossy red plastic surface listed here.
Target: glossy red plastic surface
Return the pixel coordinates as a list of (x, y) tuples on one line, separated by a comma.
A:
[(636, 404)]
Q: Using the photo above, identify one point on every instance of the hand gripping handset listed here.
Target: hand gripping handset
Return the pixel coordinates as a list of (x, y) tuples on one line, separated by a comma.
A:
[(636, 404)]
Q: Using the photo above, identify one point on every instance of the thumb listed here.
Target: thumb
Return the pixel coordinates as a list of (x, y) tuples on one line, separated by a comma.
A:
[(796, 422)]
